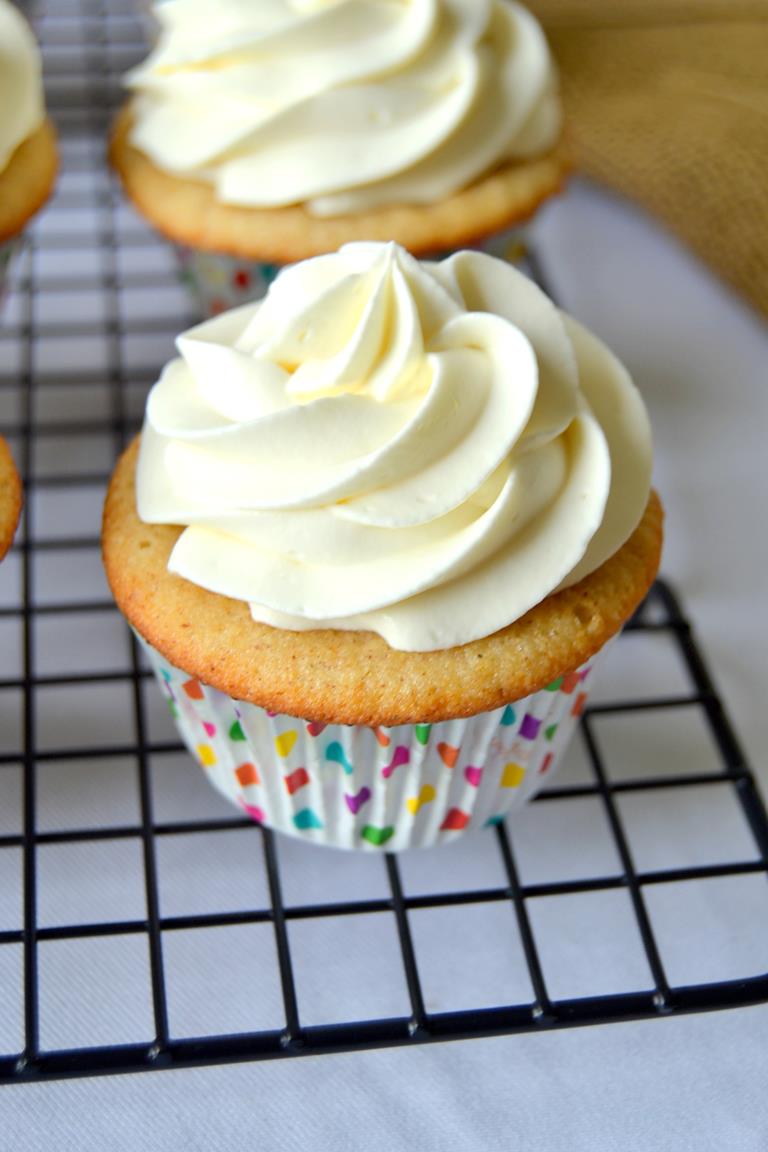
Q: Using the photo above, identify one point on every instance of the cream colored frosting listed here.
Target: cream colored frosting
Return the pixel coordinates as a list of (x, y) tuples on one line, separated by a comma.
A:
[(422, 450), (21, 87), (344, 105)]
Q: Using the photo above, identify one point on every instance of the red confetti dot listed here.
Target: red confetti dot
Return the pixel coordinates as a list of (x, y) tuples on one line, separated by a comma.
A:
[(296, 780), (454, 821)]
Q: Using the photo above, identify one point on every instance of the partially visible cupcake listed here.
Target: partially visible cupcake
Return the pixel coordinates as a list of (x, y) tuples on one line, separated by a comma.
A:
[(416, 505), (10, 498), (278, 132), (28, 158)]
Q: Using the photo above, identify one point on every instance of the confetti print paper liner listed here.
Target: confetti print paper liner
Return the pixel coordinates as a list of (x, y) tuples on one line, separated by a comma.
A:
[(219, 282), (410, 786), (7, 252)]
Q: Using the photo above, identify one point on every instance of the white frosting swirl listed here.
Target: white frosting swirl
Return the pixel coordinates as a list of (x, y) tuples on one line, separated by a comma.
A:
[(21, 87), (421, 450), (343, 105)]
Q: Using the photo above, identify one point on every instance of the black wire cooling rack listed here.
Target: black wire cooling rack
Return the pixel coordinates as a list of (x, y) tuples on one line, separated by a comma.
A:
[(72, 385)]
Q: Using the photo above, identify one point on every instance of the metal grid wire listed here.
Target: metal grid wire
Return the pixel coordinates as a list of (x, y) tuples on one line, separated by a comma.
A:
[(79, 284)]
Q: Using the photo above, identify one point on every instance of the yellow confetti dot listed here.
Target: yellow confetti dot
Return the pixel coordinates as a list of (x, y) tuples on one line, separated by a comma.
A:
[(285, 743), (425, 796), (206, 755), (513, 776)]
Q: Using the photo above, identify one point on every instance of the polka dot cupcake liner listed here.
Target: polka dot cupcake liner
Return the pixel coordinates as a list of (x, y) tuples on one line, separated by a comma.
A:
[(410, 786), (219, 282)]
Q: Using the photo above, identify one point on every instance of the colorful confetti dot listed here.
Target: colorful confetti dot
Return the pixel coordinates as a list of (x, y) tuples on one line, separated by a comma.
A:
[(206, 755), (447, 753), (355, 803), (529, 729), (512, 776), (377, 836), (454, 821), (285, 743), (251, 810), (578, 704), (473, 775), (336, 754), (422, 733), (306, 820), (509, 717), (247, 774), (236, 731), (401, 756), (296, 780), (193, 689), (426, 795), (382, 737)]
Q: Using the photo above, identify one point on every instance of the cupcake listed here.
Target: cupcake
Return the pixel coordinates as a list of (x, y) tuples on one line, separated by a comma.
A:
[(281, 131), (10, 498), (377, 532), (27, 143)]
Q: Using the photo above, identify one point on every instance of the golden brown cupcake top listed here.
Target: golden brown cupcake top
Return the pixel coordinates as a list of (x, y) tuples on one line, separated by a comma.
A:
[(187, 212), (10, 498), (27, 151), (28, 181), (355, 677)]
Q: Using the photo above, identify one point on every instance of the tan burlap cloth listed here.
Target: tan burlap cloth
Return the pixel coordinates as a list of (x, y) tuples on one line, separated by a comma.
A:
[(668, 103)]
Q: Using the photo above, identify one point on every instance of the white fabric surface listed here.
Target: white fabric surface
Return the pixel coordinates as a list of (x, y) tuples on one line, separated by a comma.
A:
[(689, 1083)]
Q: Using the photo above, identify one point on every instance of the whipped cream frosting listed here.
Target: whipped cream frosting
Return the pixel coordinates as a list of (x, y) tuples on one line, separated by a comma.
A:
[(21, 87), (421, 450), (343, 105)]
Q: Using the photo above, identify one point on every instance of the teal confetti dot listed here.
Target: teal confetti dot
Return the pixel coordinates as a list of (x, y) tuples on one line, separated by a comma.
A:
[(336, 754), (306, 820)]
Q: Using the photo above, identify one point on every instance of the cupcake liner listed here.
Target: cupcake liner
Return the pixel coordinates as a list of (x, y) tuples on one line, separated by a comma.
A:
[(219, 282), (8, 250), (346, 786)]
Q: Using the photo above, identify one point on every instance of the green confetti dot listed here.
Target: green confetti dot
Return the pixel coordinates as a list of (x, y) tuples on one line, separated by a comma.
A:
[(377, 836)]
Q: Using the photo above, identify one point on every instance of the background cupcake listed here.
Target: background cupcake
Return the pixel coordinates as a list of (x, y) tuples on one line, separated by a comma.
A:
[(280, 132), (378, 625), (10, 498), (27, 144)]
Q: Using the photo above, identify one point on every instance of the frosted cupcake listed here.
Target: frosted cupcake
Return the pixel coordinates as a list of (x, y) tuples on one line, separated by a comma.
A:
[(27, 143), (10, 498), (378, 531), (283, 130)]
